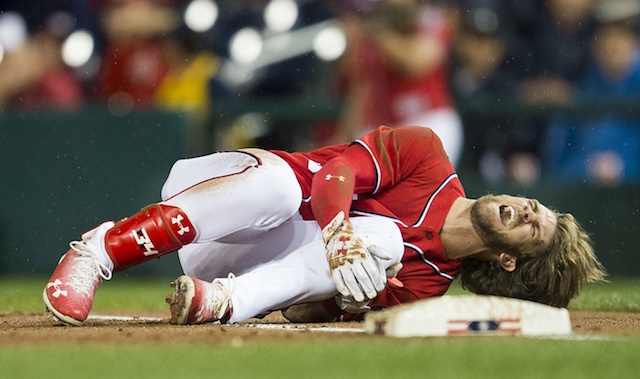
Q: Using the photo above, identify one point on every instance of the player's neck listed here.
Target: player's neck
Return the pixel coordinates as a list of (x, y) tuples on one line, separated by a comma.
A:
[(458, 236)]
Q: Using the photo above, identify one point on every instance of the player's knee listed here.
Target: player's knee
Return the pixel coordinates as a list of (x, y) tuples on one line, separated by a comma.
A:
[(383, 233), (279, 190), (287, 198), (173, 184)]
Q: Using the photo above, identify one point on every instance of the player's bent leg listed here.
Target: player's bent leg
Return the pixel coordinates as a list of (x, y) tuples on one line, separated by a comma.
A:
[(208, 196), (283, 266), (154, 231), (303, 274), (212, 188)]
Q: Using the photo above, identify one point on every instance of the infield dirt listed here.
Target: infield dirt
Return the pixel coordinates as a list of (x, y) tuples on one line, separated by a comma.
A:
[(153, 328)]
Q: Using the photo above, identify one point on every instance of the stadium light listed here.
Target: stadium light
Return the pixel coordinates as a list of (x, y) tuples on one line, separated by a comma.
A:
[(201, 15), (77, 48), (330, 43), (250, 52), (245, 46), (13, 31), (280, 15)]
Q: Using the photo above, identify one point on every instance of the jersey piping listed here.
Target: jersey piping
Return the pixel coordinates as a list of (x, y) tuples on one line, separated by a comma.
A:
[(375, 163), (425, 260), (433, 195)]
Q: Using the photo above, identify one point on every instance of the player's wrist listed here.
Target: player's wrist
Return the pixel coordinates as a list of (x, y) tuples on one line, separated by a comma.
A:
[(337, 223)]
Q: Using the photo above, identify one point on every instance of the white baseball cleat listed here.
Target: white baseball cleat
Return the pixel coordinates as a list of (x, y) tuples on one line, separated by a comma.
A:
[(69, 292), (196, 301)]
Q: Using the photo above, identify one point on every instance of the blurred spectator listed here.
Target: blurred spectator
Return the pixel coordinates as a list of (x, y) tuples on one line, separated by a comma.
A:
[(396, 71), (132, 61), (32, 73), (602, 149), (485, 76), (559, 50), (550, 54), (185, 87)]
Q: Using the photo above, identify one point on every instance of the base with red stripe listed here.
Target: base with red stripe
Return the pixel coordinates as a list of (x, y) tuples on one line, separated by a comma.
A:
[(464, 327), (469, 315)]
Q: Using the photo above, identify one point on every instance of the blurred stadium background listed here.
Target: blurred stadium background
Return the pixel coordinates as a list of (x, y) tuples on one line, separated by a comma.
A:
[(99, 97)]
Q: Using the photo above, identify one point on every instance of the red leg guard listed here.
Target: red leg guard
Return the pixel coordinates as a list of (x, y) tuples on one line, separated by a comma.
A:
[(156, 230)]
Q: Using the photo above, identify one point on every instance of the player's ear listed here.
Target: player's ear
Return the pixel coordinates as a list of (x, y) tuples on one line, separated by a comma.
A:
[(507, 262)]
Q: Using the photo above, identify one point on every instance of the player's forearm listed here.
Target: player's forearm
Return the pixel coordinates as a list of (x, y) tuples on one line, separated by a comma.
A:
[(332, 191), (339, 179)]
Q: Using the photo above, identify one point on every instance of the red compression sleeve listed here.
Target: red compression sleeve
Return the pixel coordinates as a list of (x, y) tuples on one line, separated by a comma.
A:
[(334, 185)]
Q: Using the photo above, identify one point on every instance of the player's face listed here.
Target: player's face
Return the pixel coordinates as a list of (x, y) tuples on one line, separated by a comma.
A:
[(512, 224)]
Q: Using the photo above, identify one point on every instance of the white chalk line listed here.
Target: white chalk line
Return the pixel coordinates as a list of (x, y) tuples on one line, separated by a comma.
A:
[(294, 327), (300, 328), (122, 318)]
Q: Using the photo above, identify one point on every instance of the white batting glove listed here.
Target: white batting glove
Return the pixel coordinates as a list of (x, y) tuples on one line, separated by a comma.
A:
[(350, 305), (355, 267)]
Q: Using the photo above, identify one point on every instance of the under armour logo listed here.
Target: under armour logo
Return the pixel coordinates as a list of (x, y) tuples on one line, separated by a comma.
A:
[(56, 284), (178, 221), (339, 177)]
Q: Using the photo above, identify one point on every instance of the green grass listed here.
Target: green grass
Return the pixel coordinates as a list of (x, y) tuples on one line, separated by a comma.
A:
[(25, 294), (362, 357), (621, 295), (377, 358), (618, 295)]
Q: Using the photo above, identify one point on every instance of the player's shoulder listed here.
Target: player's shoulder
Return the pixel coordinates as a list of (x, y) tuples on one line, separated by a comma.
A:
[(419, 142), (402, 137), (415, 131), (414, 134), (409, 131)]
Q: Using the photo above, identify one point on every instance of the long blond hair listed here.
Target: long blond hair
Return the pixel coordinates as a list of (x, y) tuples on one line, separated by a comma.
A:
[(553, 277)]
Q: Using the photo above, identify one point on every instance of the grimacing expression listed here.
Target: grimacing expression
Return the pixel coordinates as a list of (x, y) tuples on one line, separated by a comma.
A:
[(514, 225)]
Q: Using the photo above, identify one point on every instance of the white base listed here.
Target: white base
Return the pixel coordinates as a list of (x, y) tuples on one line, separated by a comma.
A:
[(469, 315)]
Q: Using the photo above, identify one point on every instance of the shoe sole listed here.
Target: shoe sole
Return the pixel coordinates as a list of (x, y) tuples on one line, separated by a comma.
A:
[(180, 300), (58, 315)]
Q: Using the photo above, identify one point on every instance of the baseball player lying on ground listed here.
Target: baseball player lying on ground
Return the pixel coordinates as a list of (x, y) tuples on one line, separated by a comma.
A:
[(372, 224)]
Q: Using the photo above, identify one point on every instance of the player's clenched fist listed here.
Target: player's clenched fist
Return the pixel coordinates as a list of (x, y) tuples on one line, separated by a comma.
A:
[(356, 268)]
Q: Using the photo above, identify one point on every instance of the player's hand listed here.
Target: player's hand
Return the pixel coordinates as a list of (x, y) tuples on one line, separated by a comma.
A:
[(350, 305), (356, 268), (392, 273)]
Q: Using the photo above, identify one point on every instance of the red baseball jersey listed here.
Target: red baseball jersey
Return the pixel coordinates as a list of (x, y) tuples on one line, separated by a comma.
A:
[(409, 179)]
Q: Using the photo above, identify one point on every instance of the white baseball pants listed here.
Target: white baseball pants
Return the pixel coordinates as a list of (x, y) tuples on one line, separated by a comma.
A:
[(247, 224)]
